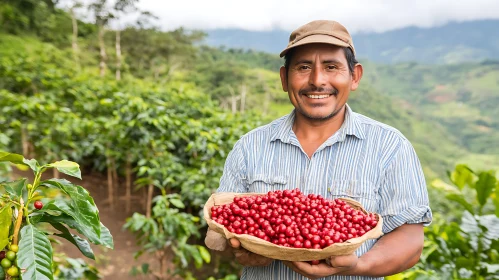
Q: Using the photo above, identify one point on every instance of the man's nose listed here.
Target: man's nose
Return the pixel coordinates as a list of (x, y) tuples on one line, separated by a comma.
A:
[(317, 77)]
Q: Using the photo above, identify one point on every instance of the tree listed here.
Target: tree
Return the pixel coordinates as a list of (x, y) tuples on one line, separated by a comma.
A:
[(103, 14), (120, 8), (74, 39)]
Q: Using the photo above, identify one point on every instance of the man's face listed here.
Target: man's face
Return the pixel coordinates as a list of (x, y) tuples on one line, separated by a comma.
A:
[(318, 81)]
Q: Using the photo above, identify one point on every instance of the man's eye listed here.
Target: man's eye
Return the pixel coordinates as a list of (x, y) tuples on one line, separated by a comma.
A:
[(303, 67), (331, 67)]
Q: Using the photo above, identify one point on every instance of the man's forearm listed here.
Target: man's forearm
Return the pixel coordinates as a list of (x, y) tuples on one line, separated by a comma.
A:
[(395, 252)]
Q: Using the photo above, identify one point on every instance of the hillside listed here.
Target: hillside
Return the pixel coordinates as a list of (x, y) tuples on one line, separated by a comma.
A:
[(462, 98), (455, 42)]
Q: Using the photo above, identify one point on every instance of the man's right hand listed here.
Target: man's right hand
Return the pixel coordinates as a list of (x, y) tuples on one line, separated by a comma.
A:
[(245, 257)]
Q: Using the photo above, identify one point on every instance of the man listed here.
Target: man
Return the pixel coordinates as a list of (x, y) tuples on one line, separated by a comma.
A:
[(323, 147)]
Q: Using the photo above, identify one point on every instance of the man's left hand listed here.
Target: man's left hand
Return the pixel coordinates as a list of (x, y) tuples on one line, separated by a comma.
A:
[(333, 265)]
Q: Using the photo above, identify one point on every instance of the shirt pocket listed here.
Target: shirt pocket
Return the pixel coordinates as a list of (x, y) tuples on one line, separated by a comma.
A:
[(262, 183), (363, 191)]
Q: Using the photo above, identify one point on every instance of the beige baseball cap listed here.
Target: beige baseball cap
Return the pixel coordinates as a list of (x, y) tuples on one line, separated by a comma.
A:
[(320, 31)]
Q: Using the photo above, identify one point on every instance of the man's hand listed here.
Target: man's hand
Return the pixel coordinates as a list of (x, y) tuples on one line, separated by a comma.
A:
[(332, 266), (245, 257)]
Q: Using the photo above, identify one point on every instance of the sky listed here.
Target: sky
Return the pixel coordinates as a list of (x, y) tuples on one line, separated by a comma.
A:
[(356, 15)]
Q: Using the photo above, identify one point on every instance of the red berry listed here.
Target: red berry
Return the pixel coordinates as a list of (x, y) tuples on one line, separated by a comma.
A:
[(38, 204), (2, 255)]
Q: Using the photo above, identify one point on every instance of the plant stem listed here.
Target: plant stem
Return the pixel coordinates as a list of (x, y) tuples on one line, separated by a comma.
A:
[(18, 222), (27, 214), (36, 184)]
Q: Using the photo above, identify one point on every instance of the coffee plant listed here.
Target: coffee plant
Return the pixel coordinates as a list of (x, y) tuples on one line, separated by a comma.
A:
[(26, 217), (466, 246)]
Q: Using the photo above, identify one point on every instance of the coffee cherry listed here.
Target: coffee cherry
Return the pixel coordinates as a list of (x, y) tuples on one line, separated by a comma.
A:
[(38, 204), (6, 263), (291, 219), (13, 271), (2, 255), (11, 255), (14, 247)]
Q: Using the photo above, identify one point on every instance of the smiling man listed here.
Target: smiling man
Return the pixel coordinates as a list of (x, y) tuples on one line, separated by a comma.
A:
[(325, 148)]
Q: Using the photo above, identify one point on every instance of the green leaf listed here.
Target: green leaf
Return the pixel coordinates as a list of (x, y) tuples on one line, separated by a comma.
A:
[(14, 158), (469, 224), (79, 242), (35, 254), (145, 268), (484, 186), (198, 261), (5, 223), (461, 176), (2, 274), (15, 188), (491, 225), (441, 185), (82, 207), (105, 237), (67, 167), (428, 250), (177, 203), (459, 198), (77, 217), (492, 268), (32, 163), (205, 254)]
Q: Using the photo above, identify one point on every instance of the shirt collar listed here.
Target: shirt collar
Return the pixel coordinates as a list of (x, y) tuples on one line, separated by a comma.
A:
[(351, 126)]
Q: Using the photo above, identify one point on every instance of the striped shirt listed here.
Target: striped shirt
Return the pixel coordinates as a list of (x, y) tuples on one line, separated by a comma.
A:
[(365, 160)]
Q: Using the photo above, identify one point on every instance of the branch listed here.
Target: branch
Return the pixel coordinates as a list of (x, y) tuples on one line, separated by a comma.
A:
[(18, 222)]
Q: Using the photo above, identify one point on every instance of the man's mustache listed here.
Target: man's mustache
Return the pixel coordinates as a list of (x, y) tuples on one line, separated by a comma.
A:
[(324, 90)]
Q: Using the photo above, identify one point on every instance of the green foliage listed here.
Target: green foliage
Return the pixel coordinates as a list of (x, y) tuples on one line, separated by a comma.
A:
[(5, 168), (66, 268), (39, 18), (155, 54), (465, 247), (75, 208), (167, 230)]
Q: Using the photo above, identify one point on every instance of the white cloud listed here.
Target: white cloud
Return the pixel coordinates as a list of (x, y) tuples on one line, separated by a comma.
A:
[(356, 15)]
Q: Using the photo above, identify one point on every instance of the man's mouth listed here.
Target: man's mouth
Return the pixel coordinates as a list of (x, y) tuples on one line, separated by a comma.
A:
[(318, 92), (318, 96)]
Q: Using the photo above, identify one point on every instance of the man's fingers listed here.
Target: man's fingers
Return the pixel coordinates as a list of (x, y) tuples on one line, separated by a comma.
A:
[(234, 243), (343, 261), (300, 268), (250, 259)]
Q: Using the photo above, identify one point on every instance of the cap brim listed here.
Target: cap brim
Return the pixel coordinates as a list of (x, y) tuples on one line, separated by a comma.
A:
[(317, 38)]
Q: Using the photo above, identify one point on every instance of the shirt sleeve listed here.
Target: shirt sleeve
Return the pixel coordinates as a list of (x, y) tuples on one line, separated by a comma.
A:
[(404, 196), (233, 178)]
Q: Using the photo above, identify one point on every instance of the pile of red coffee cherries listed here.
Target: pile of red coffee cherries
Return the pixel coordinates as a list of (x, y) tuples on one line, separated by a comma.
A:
[(291, 219)]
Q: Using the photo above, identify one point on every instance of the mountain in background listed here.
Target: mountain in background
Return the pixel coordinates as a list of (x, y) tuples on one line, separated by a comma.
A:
[(454, 42)]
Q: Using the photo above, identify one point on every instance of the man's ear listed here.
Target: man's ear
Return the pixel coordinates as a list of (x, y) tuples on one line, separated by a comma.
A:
[(284, 78), (358, 71)]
